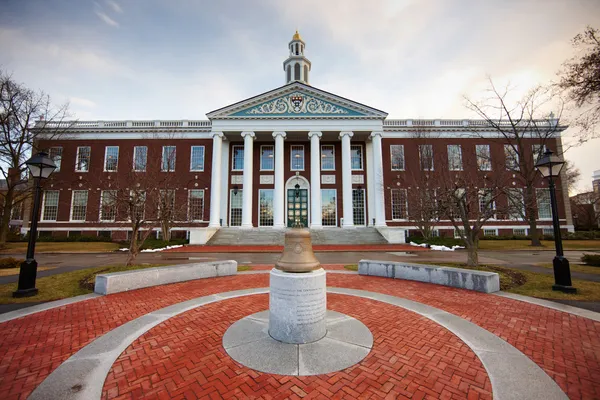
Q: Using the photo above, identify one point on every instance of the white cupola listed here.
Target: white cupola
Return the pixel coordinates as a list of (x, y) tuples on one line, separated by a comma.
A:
[(296, 66)]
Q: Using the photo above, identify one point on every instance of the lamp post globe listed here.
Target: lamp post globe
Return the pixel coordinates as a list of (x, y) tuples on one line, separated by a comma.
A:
[(40, 167), (549, 166)]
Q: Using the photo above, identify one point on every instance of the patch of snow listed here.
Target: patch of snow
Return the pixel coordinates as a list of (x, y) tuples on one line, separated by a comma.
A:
[(418, 245), (437, 247), (161, 249)]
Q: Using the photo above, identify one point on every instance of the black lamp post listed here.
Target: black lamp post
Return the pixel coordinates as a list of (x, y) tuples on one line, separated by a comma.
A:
[(40, 166), (550, 166)]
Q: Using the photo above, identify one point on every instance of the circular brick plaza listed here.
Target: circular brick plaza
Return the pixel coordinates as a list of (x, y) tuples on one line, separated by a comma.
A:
[(428, 342)]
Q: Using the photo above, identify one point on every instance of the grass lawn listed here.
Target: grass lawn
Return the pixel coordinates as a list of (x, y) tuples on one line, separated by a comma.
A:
[(587, 269), (15, 271), (351, 267), (546, 245), (61, 247)]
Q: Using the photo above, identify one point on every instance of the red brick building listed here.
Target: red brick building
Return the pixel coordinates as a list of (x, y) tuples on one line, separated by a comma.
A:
[(295, 153)]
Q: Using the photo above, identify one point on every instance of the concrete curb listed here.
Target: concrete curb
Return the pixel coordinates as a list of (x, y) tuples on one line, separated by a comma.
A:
[(551, 304), (45, 306), (512, 374)]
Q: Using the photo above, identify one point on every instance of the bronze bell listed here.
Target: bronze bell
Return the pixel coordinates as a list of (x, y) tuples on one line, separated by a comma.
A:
[(298, 253)]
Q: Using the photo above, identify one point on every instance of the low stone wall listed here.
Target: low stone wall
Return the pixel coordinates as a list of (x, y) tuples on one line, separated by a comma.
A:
[(481, 281), (137, 279)]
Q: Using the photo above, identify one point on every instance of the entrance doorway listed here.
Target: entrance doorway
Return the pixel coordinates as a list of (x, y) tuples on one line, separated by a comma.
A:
[(297, 207)]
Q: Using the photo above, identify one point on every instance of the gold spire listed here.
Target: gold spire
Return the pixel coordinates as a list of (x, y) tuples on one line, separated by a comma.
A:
[(296, 36)]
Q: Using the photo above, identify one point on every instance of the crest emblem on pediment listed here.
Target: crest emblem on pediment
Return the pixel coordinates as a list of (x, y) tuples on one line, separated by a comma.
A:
[(296, 103)]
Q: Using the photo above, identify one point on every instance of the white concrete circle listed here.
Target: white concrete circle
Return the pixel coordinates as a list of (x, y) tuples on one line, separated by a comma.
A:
[(297, 304), (346, 343)]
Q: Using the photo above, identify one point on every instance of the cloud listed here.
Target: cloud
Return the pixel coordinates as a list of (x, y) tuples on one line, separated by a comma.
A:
[(81, 102), (114, 6), (99, 11)]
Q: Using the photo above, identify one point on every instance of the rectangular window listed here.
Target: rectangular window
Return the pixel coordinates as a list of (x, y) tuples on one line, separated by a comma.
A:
[(196, 205), (169, 154), (516, 204), (108, 205), (166, 204), (297, 158), (197, 158), (55, 154), (454, 157), (265, 207), (548, 232), (487, 203), (459, 233), (435, 233), (235, 208), (543, 203), (111, 158), (426, 157), (358, 206), (16, 212), (140, 157), (79, 205), (399, 204), (327, 157), (490, 232), (538, 151), (237, 158), (267, 158), (83, 159), (356, 157), (520, 232), (397, 157), (484, 159), (512, 158), (137, 200), (328, 207), (50, 207)]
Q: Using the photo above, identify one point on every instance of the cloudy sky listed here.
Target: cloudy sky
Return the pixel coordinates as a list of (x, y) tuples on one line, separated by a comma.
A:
[(179, 59)]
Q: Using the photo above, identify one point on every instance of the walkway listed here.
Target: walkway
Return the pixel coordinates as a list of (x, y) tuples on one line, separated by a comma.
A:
[(181, 355)]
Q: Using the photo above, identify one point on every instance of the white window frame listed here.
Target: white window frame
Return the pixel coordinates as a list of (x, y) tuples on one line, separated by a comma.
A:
[(511, 153), (451, 153), (100, 216), (189, 217), (135, 156), (336, 208), (401, 147), (421, 146), (405, 203), (233, 147), (77, 159), (297, 146), (44, 218), (261, 157), (511, 204), (162, 160), (547, 231), (364, 206), (55, 157), (495, 232), (525, 233), (362, 157), (106, 159), (487, 159), (231, 195), (87, 198), (483, 192), (457, 234), (537, 202), (333, 157), (273, 197), (201, 169), (535, 151)]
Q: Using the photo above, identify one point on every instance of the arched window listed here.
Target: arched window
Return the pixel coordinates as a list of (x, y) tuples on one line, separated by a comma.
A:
[(297, 72), (289, 73), (302, 49), (296, 48), (306, 73)]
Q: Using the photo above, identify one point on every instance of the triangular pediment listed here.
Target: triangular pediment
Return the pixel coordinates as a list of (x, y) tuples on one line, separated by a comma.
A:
[(296, 100)]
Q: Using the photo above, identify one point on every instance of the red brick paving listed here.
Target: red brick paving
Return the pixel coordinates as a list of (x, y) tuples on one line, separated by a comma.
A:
[(412, 356), (567, 347), (279, 249)]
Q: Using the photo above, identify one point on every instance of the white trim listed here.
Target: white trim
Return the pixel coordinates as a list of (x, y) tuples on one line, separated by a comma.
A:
[(77, 159), (303, 158), (272, 146), (239, 193), (321, 157), (392, 158), (188, 204), (86, 204), (100, 219), (44, 206), (192, 158), (289, 185), (441, 133), (392, 204), (162, 159), (145, 163), (106, 159), (233, 147), (362, 157)]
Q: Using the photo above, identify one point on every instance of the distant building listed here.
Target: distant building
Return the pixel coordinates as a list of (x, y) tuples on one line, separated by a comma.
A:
[(292, 154), (586, 206)]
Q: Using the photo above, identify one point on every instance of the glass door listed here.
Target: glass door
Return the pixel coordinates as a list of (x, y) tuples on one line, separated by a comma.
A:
[(297, 207)]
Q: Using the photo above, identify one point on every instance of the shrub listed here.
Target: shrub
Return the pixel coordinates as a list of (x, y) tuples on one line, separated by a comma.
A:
[(9, 262), (72, 238), (591, 259)]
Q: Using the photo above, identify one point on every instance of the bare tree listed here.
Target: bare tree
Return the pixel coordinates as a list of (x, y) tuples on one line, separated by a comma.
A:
[(520, 124), (586, 209), (580, 79), (20, 107), (572, 174)]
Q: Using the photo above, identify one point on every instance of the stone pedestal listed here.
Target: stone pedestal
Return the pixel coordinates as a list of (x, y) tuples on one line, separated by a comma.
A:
[(297, 305)]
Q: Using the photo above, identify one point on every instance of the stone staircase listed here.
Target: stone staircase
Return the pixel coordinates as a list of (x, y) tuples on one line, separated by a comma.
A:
[(268, 236)]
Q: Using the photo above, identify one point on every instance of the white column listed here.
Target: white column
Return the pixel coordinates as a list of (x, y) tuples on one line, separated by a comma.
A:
[(225, 182), (347, 179), (215, 181), (315, 180), (378, 179), (247, 188), (279, 192)]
